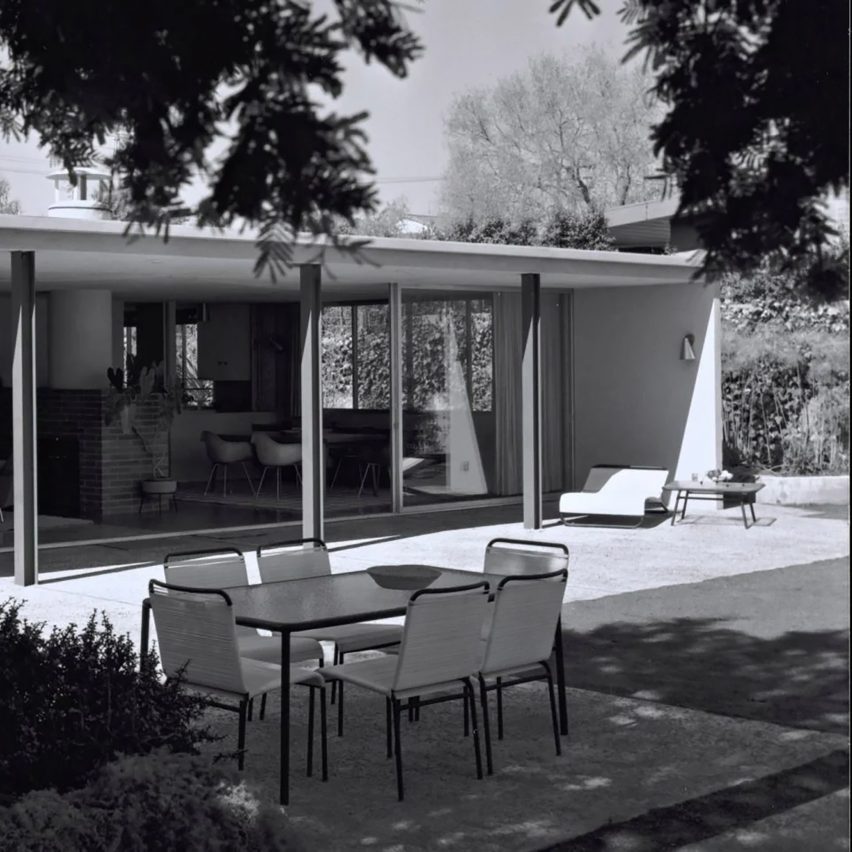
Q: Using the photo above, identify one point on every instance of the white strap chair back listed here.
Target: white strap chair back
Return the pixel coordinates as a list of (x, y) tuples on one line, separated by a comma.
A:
[(509, 556), (523, 620), (441, 640), (209, 569), (293, 560), (196, 634)]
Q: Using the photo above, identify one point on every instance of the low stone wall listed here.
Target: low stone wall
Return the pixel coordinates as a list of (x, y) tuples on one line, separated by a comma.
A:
[(804, 490)]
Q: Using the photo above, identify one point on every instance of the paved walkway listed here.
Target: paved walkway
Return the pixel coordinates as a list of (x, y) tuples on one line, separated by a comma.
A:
[(709, 675)]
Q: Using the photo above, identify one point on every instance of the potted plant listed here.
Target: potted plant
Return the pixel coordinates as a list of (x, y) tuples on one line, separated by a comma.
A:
[(146, 389)]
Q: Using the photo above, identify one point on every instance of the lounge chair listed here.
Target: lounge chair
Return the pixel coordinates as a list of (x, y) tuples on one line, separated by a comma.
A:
[(612, 490)]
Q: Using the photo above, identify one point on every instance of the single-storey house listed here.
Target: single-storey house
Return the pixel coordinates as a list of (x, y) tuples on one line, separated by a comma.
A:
[(449, 371)]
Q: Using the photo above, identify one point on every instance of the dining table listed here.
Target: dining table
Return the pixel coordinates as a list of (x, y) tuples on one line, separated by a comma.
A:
[(288, 606)]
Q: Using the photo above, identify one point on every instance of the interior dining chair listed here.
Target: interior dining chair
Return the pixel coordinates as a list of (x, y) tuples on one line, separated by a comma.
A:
[(199, 647), (223, 569), (308, 557), (272, 453), (441, 647), (512, 556), (223, 453), (519, 642)]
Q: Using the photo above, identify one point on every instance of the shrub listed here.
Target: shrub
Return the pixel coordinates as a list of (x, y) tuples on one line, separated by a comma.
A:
[(72, 701), (156, 801), (785, 399)]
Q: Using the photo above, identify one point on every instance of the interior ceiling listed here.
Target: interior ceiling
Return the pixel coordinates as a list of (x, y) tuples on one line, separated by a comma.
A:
[(194, 265)]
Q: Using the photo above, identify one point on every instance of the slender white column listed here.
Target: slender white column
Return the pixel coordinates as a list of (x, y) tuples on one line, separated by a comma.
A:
[(396, 472), (24, 456), (313, 455), (531, 399)]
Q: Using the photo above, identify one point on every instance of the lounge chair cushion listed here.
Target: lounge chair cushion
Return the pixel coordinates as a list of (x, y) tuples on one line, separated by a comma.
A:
[(615, 491)]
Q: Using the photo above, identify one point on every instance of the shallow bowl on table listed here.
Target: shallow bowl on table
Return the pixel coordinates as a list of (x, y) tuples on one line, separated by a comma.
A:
[(404, 577)]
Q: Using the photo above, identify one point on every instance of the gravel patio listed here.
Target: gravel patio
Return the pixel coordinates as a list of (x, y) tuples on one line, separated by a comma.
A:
[(708, 675)]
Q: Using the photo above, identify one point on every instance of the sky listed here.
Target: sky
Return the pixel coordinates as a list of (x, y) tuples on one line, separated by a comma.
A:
[(467, 44)]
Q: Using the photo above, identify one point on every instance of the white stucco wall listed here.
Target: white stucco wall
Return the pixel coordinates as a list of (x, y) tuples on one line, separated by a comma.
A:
[(80, 347), (635, 401), (7, 340)]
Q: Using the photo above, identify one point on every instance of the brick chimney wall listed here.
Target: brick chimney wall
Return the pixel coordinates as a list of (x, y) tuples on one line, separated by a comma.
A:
[(111, 462)]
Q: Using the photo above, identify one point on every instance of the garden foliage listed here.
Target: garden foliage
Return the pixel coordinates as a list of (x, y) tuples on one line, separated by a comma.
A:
[(785, 380), (73, 700), (140, 803)]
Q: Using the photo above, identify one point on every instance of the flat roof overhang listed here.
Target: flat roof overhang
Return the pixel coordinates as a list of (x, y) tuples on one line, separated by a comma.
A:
[(213, 265)]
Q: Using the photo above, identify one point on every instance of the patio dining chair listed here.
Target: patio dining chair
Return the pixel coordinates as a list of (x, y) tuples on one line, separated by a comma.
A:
[(308, 557), (199, 647), (519, 642), (441, 647), (225, 568), (511, 557)]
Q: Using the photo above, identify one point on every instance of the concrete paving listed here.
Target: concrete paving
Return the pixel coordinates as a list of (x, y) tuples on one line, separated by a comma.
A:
[(709, 666)]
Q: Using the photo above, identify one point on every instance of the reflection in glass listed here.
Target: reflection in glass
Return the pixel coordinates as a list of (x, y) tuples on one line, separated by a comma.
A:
[(447, 397)]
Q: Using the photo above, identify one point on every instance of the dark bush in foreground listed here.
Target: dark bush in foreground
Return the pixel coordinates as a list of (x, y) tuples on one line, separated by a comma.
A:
[(72, 701), (157, 802)]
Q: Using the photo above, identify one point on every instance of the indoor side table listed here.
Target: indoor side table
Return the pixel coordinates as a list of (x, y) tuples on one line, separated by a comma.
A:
[(739, 493)]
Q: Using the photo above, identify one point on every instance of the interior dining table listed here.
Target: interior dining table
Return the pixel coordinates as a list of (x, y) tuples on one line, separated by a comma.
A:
[(288, 606)]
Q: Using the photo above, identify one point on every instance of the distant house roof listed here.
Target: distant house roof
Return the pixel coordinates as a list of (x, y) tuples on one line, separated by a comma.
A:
[(646, 224)]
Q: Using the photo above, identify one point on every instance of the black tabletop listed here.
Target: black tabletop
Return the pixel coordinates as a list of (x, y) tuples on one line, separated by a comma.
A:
[(329, 600)]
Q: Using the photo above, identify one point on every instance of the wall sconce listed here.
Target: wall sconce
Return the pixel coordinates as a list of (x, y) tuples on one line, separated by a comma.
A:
[(687, 353)]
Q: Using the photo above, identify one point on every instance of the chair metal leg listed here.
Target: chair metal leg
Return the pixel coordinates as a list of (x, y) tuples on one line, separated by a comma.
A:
[(210, 479), (397, 749), (388, 725), (499, 708), (340, 708), (260, 483), (336, 471), (468, 688), (250, 709), (298, 475), (363, 479), (466, 715), (225, 480), (323, 735), (310, 758), (486, 725), (248, 478), (263, 707), (335, 660), (241, 734), (554, 718)]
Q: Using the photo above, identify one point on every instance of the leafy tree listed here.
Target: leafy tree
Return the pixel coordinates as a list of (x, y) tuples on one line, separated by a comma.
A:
[(166, 79), (563, 134), (496, 230), (385, 223), (8, 205), (561, 229), (581, 231), (756, 130)]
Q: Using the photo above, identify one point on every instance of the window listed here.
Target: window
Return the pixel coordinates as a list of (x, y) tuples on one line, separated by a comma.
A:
[(197, 393), (444, 341)]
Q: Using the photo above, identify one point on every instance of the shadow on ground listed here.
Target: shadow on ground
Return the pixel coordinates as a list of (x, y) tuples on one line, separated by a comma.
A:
[(771, 645)]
